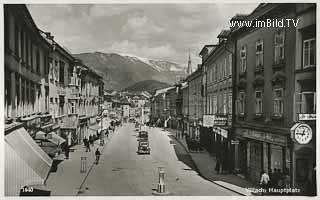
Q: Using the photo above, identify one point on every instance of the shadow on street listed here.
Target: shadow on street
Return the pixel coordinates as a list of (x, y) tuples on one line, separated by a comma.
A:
[(182, 155)]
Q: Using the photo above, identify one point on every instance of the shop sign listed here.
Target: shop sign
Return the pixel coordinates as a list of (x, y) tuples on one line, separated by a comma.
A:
[(208, 120), (307, 117), (220, 121), (220, 131), (264, 136), (234, 141)]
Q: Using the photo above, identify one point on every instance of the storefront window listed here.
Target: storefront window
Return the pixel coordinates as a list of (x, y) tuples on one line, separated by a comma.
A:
[(276, 157)]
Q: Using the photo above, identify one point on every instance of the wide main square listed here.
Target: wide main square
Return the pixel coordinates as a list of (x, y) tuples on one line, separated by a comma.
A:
[(161, 99)]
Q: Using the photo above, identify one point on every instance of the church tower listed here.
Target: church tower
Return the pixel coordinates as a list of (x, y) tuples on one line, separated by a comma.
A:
[(189, 70)]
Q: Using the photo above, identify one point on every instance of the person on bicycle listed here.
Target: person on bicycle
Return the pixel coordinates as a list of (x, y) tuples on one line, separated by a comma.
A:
[(97, 155)]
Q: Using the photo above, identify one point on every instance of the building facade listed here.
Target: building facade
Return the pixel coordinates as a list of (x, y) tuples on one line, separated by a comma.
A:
[(304, 155), (264, 80), (217, 63), (26, 100), (195, 107)]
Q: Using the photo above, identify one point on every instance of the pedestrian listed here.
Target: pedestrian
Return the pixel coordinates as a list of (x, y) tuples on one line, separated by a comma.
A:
[(91, 140), (88, 146), (264, 181), (107, 133), (66, 151), (85, 142), (218, 166), (97, 153)]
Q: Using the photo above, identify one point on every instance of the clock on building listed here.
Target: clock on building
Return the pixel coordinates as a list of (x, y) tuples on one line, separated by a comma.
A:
[(302, 133)]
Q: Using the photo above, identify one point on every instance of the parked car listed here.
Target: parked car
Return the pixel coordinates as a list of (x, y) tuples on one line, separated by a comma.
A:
[(143, 147)]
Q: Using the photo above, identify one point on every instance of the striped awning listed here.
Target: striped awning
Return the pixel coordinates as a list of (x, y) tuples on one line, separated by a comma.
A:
[(25, 162), (55, 139)]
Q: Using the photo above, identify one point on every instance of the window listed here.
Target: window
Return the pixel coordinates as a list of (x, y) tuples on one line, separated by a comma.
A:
[(225, 103), (259, 53), (215, 105), (278, 46), (306, 102), (214, 73), (243, 59), (22, 45), (224, 68), (56, 70), (278, 102), (16, 41), (230, 103), (31, 56), (61, 72), (230, 64), (27, 52), (258, 100), (61, 105), (309, 53), (38, 61), (73, 107), (241, 104), (220, 103), (18, 93)]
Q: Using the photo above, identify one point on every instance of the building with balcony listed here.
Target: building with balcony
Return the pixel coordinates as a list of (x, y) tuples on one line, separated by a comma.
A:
[(217, 64), (265, 60)]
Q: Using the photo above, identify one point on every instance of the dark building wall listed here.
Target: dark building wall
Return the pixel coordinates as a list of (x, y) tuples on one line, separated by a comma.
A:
[(249, 40)]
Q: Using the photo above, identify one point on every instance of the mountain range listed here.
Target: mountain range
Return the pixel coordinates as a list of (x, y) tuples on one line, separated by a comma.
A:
[(120, 71)]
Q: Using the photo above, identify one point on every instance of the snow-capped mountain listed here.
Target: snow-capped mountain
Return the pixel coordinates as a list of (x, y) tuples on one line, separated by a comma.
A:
[(123, 70)]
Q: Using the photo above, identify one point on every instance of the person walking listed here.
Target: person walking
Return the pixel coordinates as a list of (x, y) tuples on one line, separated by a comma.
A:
[(97, 153), (264, 181), (66, 151), (88, 146), (91, 140)]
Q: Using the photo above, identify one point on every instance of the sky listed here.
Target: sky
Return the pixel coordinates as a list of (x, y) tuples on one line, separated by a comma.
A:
[(156, 31)]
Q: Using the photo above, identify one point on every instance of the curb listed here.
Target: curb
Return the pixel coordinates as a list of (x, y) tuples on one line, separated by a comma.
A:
[(85, 178), (199, 172)]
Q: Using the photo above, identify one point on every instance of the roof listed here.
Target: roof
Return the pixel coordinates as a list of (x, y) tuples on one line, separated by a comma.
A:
[(224, 33), (161, 91)]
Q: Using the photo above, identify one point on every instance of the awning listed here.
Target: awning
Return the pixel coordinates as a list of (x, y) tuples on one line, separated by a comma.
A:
[(55, 139), (40, 135), (25, 162)]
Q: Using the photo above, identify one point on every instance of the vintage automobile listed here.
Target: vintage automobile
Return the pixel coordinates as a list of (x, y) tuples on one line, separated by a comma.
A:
[(143, 147), (137, 126), (143, 135)]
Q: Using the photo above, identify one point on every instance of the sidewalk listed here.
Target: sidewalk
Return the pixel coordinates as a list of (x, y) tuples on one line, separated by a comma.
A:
[(206, 163), (66, 181)]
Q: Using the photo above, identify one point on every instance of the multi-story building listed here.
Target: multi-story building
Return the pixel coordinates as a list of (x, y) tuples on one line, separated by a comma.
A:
[(265, 60), (159, 106), (195, 108), (26, 100), (217, 64), (61, 64), (185, 107), (304, 155), (90, 98)]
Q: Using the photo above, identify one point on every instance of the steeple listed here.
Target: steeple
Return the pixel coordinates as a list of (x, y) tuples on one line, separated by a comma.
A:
[(189, 70)]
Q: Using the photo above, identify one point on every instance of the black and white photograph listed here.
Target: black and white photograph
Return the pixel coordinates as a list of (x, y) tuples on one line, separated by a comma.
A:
[(159, 99)]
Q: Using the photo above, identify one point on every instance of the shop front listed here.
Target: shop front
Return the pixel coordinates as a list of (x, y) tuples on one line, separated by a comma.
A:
[(261, 151)]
